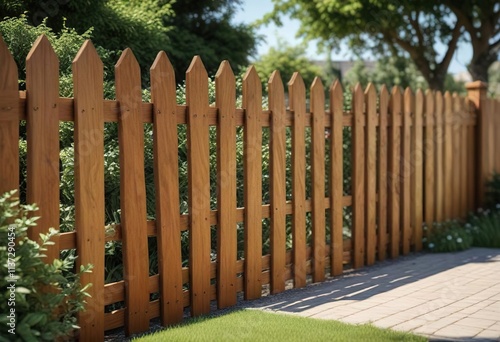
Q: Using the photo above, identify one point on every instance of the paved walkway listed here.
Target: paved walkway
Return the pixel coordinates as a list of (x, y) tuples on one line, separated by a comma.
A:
[(454, 296)]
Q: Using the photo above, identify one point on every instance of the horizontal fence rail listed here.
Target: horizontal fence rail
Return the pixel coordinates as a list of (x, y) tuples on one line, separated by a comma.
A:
[(415, 158)]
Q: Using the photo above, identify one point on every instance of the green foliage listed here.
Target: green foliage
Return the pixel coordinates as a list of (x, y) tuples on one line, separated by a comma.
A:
[(47, 296), (448, 236), (287, 59), (485, 227), (19, 36), (492, 198), (391, 71)]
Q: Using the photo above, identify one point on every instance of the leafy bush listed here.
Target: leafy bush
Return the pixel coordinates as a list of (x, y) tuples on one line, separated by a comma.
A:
[(485, 227), (493, 191), (42, 299), (448, 236)]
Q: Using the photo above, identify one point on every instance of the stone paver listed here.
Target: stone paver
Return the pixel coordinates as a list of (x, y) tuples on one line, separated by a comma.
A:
[(453, 296)]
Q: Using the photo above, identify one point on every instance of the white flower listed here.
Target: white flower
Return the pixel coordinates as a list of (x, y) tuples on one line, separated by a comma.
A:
[(498, 206), (431, 245), (449, 237), (468, 225), (459, 240)]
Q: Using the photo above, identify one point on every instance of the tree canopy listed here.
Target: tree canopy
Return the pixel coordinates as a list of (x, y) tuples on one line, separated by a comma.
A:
[(389, 27), (181, 28)]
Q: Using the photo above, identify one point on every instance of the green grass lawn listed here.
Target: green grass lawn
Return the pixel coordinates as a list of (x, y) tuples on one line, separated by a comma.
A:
[(256, 325)]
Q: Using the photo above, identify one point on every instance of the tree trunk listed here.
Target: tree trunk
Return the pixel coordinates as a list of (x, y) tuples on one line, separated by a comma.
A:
[(479, 66), (434, 79)]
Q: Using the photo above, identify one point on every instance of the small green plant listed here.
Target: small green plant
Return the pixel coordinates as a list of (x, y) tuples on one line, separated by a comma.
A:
[(485, 227), (448, 236), (492, 197), (38, 301)]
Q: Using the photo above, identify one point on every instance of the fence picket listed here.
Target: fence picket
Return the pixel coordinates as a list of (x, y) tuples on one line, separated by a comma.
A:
[(165, 150), (336, 179), (370, 173), (394, 155), (382, 174), (9, 121), (358, 177), (406, 170), (277, 182), (318, 179), (417, 171), (42, 85), (448, 157), (226, 186), (199, 186), (252, 104), (297, 94), (429, 157), (456, 193), (89, 185), (463, 158), (132, 192), (438, 161)]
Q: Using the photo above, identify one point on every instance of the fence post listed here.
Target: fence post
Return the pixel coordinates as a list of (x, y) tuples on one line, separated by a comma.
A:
[(476, 91)]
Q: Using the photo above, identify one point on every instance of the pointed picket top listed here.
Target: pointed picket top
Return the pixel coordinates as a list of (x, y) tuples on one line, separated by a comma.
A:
[(429, 102), (317, 85), (297, 81), (196, 67), (127, 60), (336, 87), (162, 70), (408, 102), (371, 94), (395, 102), (439, 103), (357, 100), (41, 47), (251, 76), (419, 103), (162, 77), (225, 71), (336, 98), (85, 63), (8, 68), (384, 93), (275, 81)]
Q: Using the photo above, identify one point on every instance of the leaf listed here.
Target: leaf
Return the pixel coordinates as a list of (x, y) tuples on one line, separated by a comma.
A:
[(32, 319)]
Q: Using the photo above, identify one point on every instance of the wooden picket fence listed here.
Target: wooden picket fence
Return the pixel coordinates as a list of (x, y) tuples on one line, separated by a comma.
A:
[(416, 158)]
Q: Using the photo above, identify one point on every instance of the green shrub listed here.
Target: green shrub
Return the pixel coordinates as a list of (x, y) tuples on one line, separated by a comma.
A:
[(41, 298), (485, 227), (492, 197), (448, 236)]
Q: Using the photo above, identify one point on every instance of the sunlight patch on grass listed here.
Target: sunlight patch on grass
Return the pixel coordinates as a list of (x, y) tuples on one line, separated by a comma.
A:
[(256, 325)]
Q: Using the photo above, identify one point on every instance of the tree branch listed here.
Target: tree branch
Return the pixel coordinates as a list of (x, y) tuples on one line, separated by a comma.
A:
[(452, 46), (414, 23)]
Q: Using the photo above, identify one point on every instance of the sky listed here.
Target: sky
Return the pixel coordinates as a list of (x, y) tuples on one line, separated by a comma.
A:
[(253, 10)]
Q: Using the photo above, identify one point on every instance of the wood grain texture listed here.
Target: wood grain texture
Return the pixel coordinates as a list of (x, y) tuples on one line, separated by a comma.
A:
[(456, 136), (382, 174), (132, 192), (358, 177), (297, 93), (42, 85), (429, 191), (439, 157), (336, 179), (370, 173), (448, 157), (9, 121), (406, 171), (277, 182), (226, 186), (199, 186), (463, 159), (89, 185), (252, 159), (417, 187), (318, 179), (165, 150), (394, 157)]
